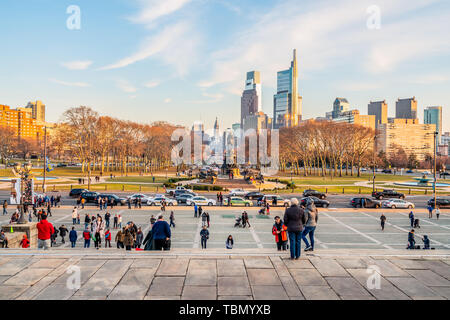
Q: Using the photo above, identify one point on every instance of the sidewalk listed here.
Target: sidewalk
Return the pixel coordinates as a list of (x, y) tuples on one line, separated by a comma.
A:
[(223, 274)]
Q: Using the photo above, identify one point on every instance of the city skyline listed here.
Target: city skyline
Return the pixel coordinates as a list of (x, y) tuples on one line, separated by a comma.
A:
[(117, 61)]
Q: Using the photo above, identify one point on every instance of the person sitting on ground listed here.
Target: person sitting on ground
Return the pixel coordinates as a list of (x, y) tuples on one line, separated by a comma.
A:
[(25, 243), (230, 242), (426, 242), (411, 240), (3, 240)]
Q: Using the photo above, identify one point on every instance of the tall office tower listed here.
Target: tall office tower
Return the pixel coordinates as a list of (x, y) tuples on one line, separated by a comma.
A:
[(251, 97), (406, 108), (433, 115), (379, 110), (37, 111), (340, 105), (287, 103)]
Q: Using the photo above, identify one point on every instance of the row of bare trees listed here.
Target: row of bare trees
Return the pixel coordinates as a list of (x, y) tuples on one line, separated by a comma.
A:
[(107, 144), (326, 148)]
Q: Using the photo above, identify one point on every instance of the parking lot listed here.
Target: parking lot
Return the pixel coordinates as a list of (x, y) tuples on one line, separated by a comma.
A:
[(337, 228)]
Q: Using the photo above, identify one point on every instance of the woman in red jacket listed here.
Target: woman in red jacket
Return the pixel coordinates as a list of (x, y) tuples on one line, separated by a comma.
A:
[(279, 231)]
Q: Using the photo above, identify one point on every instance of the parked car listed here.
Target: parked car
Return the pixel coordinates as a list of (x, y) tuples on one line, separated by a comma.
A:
[(409, 171), (317, 202), (116, 200), (238, 201), (171, 192), (143, 197), (364, 202), (254, 195), (89, 196), (237, 192), (443, 203), (314, 193), (388, 193), (200, 201), (426, 172), (182, 198), (75, 193), (158, 200), (185, 191), (397, 203), (270, 198), (386, 171)]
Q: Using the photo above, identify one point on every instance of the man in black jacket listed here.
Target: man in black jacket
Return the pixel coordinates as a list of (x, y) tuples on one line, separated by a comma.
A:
[(294, 219)]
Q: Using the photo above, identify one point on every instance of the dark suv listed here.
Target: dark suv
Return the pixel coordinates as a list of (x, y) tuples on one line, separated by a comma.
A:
[(314, 193), (440, 203), (254, 195), (75, 193), (89, 196), (388, 194), (363, 202)]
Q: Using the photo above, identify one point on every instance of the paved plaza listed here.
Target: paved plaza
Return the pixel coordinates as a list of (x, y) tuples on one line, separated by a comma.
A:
[(337, 228)]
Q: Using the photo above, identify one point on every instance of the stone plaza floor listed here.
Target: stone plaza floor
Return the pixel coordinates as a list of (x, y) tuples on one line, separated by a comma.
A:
[(350, 247)]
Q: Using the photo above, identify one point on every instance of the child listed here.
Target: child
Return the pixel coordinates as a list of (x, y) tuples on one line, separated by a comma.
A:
[(230, 242), (107, 238), (279, 231), (25, 243)]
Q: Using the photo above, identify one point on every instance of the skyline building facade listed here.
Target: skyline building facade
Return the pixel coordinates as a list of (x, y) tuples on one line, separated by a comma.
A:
[(340, 105), (287, 103), (433, 115), (379, 109), (406, 108), (251, 101)]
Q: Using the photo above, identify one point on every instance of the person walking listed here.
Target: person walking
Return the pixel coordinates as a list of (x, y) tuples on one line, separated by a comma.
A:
[(128, 239), (294, 219), (45, 230), (161, 234), (207, 219), (152, 220), (99, 231), (200, 211), (438, 212), (204, 235), (204, 219), (430, 211), (411, 218), (87, 238), (83, 201), (116, 220), (87, 220), (246, 219), (139, 238), (49, 210), (120, 238), (120, 221), (230, 242), (267, 208), (195, 210), (279, 231), (129, 203), (74, 215), (140, 203), (312, 216), (73, 237), (172, 219), (382, 221), (107, 218), (5, 206), (411, 240), (107, 238), (62, 232)]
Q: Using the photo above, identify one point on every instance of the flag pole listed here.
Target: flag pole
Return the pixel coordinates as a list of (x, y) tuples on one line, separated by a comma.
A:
[(45, 158)]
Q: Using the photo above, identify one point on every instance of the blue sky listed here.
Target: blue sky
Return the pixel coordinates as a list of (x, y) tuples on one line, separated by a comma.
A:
[(185, 60)]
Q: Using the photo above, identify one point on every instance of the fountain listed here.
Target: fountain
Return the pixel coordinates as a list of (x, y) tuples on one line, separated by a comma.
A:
[(424, 181)]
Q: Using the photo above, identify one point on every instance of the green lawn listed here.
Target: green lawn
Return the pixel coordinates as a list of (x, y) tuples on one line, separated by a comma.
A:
[(143, 179)]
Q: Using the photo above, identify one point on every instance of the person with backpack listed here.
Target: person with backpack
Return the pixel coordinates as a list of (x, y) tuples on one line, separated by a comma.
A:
[(204, 235), (279, 231), (107, 238), (411, 240), (73, 237)]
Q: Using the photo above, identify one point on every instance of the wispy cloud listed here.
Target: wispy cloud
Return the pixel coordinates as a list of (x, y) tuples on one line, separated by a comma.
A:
[(70, 84), (430, 79), (167, 100), (172, 45), (125, 86), (152, 10), (76, 65), (151, 84)]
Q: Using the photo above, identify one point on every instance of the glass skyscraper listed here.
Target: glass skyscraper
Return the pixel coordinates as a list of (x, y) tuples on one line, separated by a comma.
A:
[(287, 103), (433, 115)]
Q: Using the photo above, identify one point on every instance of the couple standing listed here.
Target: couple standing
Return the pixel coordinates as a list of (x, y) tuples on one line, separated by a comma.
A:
[(299, 224)]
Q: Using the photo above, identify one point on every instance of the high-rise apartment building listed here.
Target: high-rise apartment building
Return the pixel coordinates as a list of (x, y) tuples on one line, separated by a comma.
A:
[(251, 97), (354, 117), (37, 111), (287, 103), (257, 122), (378, 109), (412, 138), (22, 123), (433, 115), (406, 108)]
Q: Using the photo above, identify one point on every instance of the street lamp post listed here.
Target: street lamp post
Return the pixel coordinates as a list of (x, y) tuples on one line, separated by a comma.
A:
[(434, 170), (373, 169), (24, 173)]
